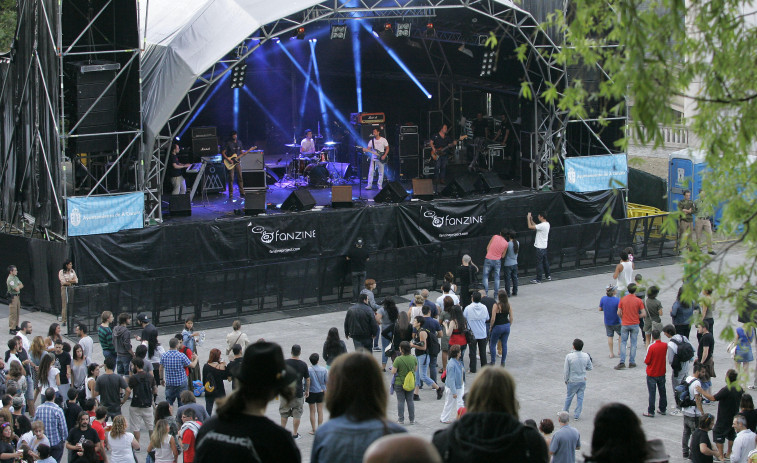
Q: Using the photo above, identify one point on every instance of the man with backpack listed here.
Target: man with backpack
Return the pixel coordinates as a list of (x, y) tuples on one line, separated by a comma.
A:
[(143, 389), (689, 395), (680, 356)]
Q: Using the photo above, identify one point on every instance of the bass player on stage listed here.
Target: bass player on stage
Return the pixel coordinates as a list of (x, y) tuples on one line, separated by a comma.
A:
[(441, 144), (233, 147), (379, 149)]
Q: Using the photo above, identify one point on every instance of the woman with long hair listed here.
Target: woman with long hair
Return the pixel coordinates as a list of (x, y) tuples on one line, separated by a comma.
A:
[(333, 347), (87, 453), (53, 334), (240, 421), (421, 343), (450, 278), (490, 430), (7, 449), (356, 400), (445, 315), (511, 263), (213, 375), (455, 329), (122, 443), (16, 373), (501, 321), (67, 277), (454, 386), (403, 331), (618, 436), (386, 316), (48, 376), (681, 312), (416, 310), (189, 338), (93, 371), (163, 443), (164, 411)]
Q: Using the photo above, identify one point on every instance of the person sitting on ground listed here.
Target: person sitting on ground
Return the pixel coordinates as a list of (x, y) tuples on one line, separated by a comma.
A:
[(356, 402), (401, 448), (490, 430), (618, 436)]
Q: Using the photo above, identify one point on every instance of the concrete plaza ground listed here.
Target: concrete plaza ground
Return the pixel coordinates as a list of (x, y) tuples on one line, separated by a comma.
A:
[(547, 317)]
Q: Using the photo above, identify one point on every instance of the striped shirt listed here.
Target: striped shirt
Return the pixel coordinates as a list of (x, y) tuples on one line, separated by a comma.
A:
[(106, 338)]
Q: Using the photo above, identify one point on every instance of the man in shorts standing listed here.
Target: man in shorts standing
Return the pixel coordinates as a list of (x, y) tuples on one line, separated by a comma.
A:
[(293, 407), (609, 305)]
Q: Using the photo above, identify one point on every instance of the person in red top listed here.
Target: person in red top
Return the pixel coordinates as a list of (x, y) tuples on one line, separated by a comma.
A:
[(188, 434), (186, 351), (101, 415), (495, 251), (630, 309), (655, 360)]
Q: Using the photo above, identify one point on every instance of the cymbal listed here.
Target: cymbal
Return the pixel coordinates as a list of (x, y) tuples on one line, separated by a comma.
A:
[(331, 143), (292, 145)]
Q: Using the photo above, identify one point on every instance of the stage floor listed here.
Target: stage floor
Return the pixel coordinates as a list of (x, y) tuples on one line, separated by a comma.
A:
[(212, 206)]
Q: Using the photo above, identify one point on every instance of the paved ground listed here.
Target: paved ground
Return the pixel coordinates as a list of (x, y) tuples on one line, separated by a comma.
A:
[(547, 318)]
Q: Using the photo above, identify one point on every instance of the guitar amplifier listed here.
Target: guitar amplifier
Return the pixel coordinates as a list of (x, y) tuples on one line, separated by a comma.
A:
[(204, 132), (367, 118), (204, 147), (252, 161)]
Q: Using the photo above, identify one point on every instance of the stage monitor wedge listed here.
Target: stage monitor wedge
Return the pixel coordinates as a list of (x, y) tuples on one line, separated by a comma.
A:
[(179, 205), (463, 185), (341, 196), (254, 202), (299, 200), (489, 182), (393, 192), (423, 189)]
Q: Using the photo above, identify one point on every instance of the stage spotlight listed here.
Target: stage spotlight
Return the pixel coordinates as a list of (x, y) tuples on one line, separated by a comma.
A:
[(299, 33), (488, 65), (387, 27), (466, 51), (403, 29), (338, 32), (238, 74), (313, 40), (276, 40), (430, 32)]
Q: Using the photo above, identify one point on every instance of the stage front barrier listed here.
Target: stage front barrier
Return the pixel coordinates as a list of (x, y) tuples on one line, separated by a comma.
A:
[(303, 283)]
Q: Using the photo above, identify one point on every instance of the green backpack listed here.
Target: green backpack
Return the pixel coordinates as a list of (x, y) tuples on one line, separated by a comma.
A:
[(409, 383)]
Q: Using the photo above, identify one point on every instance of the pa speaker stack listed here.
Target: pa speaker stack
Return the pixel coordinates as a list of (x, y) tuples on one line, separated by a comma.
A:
[(89, 81), (204, 142), (462, 186), (489, 182), (409, 151), (393, 192)]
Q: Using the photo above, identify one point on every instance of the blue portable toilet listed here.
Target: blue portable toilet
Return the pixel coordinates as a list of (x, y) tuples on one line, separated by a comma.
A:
[(685, 170)]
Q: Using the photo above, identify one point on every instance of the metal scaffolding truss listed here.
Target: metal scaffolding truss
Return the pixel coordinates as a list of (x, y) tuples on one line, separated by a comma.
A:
[(41, 98)]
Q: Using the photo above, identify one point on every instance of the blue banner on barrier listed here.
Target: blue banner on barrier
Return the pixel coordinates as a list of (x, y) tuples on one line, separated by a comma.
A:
[(596, 173), (105, 214)]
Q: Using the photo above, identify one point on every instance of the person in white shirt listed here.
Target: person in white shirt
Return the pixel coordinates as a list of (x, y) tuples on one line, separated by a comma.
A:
[(446, 291), (540, 243), (307, 145), (86, 343), (379, 159), (692, 413), (477, 315), (24, 333), (623, 275), (744, 442)]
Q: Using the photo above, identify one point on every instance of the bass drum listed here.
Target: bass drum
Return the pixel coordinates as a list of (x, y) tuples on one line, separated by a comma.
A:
[(317, 175)]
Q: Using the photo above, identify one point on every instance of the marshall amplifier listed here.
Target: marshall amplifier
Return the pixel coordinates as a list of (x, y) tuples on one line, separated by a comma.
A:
[(408, 129), (367, 118), (204, 132), (204, 147)]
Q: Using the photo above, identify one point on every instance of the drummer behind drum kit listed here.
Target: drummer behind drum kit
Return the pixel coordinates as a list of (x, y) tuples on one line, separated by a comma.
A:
[(318, 170)]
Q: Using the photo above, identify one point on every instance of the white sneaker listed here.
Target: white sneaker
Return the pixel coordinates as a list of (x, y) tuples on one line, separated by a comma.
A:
[(369, 187)]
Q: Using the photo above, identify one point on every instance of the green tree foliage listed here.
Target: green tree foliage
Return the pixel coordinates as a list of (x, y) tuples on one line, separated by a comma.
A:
[(7, 24), (705, 50)]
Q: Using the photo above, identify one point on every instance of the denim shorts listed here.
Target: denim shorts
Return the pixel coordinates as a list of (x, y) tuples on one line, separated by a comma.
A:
[(610, 329)]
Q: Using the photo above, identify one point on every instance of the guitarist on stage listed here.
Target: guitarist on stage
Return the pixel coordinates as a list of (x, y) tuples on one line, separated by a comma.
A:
[(379, 149), (441, 144), (234, 146)]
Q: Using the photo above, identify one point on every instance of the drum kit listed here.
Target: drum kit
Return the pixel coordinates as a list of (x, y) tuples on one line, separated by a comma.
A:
[(313, 170)]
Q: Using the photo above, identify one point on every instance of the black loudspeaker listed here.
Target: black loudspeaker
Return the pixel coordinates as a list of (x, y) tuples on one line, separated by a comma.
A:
[(463, 185), (423, 188), (252, 161), (254, 202), (179, 205), (299, 200), (409, 145), (204, 132), (393, 192), (489, 182), (341, 196), (88, 80), (254, 180), (207, 146), (409, 167)]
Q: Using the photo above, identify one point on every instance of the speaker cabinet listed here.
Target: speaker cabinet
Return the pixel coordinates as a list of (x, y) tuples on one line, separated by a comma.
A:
[(179, 205), (489, 182), (254, 202), (409, 145), (87, 81), (393, 192), (254, 180), (463, 185), (299, 200), (423, 189), (409, 167), (204, 132), (252, 161), (341, 196), (206, 146)]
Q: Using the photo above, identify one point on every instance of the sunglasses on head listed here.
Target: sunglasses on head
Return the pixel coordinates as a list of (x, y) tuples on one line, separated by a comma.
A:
[(4, 425)]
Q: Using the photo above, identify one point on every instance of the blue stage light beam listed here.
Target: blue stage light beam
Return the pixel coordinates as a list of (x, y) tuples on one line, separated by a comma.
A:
[(355, 29), (265, 110), (397, 60), (324, 113), (219, 84), (236, 108), (307, 85)]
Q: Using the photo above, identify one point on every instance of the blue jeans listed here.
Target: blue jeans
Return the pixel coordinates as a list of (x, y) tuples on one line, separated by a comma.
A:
[(432, 366), (542, 263), (122, 364), (110, 354), (653, 384), (511, 276), (173, 393), (575, 389), (423, 362), (499, 333), (625, 331), (490, 265), (384, 343), (440, 168)]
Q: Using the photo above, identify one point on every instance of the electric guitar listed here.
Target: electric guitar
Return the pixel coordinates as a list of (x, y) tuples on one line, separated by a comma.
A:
[(435, 153), (231, 161), (379, 156)]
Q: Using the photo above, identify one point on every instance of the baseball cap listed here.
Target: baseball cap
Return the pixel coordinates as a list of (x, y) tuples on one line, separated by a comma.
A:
[(143, 318), (263, 366)]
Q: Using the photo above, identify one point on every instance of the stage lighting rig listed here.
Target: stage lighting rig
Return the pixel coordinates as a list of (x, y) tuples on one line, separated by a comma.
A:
[(430, 31), (238, 74), (299, 33), (403, 29), (338, 32), (489, 64)]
